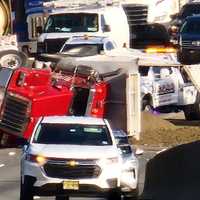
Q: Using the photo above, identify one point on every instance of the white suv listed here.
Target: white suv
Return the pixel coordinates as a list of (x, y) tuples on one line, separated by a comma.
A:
[(71, 156)]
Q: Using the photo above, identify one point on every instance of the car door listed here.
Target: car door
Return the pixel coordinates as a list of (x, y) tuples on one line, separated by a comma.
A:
[(164, 87)]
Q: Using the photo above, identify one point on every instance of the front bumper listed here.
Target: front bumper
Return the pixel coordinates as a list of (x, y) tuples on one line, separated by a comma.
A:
[(85, 190), (47, 186), (129, 176)]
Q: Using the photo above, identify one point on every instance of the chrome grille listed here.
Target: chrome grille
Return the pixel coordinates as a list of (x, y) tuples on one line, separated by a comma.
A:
[(14, 117), (61, 169), (187, 43), (54, 45)]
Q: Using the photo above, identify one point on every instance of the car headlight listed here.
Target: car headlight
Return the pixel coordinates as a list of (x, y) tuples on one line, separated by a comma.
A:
[(41, 160), (196, 43)]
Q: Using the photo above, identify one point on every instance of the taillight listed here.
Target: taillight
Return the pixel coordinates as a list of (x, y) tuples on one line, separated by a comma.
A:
[(98, 102)]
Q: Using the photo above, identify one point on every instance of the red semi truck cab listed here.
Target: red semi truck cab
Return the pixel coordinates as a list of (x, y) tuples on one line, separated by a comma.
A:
[(33, 93), (102, 90)]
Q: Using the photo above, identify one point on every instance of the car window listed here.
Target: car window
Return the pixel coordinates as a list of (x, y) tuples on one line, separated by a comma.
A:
[(156, 71), (72, 134), (143, 70), (5, 74), (72, 23), (190, 10)]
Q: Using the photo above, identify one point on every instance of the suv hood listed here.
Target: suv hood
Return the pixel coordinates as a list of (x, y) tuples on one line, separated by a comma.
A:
[(188, 36), (74, 151)]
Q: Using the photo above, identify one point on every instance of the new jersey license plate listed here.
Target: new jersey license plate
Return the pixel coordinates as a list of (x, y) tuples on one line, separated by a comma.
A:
[(70, 185)]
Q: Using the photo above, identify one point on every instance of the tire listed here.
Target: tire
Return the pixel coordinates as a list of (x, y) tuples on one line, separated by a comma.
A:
[(133, 195), (114, 195), (184, 57), (62, 198), (192, 112), (146, 106), (26, 190), (13, 59)]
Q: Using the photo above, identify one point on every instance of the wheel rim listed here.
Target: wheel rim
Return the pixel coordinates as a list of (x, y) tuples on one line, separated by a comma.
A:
[(10, 61), (148, 108)]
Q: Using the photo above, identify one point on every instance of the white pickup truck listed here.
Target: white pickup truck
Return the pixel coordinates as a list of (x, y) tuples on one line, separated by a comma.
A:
[(171, 88)]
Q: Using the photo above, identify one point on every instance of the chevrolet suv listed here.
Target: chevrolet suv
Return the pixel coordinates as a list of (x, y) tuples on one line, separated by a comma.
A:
[(71, 156)]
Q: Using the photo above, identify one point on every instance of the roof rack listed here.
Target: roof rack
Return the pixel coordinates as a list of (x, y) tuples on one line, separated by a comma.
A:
[(74, 4)]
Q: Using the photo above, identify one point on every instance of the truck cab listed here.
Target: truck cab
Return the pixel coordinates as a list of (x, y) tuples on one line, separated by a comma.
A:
[(94, 20), (188, 40), (166, 86)]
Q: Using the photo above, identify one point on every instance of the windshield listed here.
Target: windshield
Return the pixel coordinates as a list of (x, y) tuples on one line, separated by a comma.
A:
[(72, 23), (190, 10), (82, 49), (191, 27), (5, 74), (72, 134)]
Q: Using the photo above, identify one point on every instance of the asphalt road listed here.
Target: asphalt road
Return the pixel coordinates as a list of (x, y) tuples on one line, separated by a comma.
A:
[(10, 174)]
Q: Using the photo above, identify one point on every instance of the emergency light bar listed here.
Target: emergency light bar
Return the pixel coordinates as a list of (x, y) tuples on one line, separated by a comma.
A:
[(77, 3), (160, 50)]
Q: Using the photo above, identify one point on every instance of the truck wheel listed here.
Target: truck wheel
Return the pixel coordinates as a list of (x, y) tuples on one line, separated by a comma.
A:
[(62, 198), (26, 190), (183, 57), (133, 195), (146, 106), (114, 195), (12, 59), (192, 112)]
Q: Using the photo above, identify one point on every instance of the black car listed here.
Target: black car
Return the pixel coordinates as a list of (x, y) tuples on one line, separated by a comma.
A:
[(189, 41)]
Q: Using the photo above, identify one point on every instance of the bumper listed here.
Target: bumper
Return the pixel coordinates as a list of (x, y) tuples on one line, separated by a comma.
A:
[(189, 55), (52, 189), (48, 186)]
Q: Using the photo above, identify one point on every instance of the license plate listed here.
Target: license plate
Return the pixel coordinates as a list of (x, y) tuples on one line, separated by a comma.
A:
[(70, 185)]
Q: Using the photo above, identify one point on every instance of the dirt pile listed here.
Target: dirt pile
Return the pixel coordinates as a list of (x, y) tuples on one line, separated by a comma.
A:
[(157, 131), (151, 122)]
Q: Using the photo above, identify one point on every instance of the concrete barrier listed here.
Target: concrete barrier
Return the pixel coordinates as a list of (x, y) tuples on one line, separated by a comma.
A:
[(174, 174)]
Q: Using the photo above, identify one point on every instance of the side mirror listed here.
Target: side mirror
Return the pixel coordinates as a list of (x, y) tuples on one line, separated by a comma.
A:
[(39, 29), (139, 152), (106, 28)]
